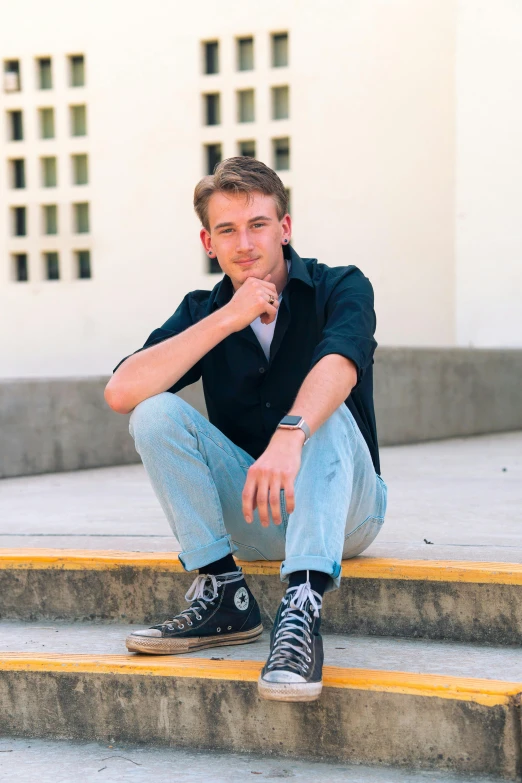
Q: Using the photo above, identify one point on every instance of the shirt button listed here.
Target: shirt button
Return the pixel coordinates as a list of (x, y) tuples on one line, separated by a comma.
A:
[(267, 404), (261, 369)]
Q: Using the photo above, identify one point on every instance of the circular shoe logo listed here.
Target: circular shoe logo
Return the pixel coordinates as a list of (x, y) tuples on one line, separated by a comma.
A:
[(241, 599)]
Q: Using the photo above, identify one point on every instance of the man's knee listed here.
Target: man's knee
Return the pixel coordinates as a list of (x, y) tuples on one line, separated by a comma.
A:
[(152, 413)]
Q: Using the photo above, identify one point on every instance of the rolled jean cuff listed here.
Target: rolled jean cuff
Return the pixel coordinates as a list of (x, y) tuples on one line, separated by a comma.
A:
[(313, 563), (197, 558)]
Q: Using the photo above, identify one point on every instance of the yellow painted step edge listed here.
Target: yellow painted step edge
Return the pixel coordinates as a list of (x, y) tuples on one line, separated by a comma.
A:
[(485, 692), (357, 568)]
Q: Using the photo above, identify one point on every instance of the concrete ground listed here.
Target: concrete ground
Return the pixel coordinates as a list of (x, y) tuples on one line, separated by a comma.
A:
[(55, 761), (462, 495), (423, 656)]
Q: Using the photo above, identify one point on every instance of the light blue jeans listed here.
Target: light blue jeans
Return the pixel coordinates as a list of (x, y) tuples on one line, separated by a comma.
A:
[(198, 475)]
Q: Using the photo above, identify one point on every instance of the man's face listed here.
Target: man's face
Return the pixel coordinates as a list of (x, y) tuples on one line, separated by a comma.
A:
[(246, 235)]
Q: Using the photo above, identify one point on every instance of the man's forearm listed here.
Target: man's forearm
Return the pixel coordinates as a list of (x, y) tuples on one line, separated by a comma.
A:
[(159, 367), (324, 389)]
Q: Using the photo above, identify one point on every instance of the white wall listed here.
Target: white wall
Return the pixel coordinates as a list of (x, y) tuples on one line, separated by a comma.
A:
[(489, 174), (372, 128)]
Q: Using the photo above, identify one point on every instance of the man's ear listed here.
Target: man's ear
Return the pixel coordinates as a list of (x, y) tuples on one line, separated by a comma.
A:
[(204, 235)]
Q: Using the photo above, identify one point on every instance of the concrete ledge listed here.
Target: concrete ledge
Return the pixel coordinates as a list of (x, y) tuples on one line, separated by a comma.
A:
[(364, 716), (465, 602), (50, 425)]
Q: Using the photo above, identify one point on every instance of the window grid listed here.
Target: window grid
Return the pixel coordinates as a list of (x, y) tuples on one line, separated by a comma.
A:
[(211, 57), (20, 268), (52, 265), (245, 54), (279, 50), (46, 123), (49, 172), (281, 154), (245, 106), (280, 103), (50, 215), (18, 173), (19, 221), (247, 148), (78, 120), (80, 170), (16, 128), (77, 70), (12, 80), (81, 218), (83, 264), (212, 108), (213, 156), (45, 76)]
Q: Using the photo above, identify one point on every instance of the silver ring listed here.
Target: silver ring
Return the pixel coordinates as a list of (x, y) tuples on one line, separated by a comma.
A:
[(271, 300)]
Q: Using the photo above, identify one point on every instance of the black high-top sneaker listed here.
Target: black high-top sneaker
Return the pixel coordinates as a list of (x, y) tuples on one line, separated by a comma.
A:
[(293, 671), (222, 611)]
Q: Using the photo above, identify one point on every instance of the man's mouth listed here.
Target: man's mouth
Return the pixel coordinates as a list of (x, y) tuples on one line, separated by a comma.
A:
[(247, 261)]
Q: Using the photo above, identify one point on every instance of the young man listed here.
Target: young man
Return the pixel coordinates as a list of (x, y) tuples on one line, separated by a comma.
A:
[(287, 466)]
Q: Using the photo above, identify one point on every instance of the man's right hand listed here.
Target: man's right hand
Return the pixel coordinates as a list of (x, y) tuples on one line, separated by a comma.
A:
[(251, 301)]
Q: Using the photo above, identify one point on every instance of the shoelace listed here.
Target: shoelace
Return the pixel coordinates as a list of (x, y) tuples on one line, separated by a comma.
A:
[(292, 641), (203, 591)]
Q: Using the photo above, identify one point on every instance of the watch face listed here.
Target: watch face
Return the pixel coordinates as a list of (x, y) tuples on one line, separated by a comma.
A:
[(291, 420)]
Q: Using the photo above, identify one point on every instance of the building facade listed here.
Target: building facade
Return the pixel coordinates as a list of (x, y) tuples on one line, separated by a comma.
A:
[(394, 125)]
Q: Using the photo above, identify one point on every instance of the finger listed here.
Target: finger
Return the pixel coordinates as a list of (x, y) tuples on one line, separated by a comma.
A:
[(248, 498), (262, 500), (270, 313), (275, 504)]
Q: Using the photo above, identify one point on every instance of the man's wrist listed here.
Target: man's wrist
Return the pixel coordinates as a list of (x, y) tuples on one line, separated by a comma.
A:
[(296, 435)]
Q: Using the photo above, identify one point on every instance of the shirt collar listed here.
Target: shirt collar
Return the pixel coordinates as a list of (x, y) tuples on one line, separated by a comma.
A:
[(298, 271)]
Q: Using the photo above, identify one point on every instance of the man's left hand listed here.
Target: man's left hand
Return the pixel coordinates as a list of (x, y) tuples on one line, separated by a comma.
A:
[(276, 469)]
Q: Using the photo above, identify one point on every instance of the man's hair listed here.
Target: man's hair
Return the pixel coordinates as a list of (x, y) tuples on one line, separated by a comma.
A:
[(240, 175)]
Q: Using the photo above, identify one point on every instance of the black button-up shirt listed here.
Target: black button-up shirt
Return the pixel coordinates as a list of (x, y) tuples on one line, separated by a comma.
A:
[(324, 310)]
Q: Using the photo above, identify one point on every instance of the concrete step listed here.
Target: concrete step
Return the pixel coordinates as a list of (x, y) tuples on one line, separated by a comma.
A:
[(61, 760), (406, 703), (456, 600)]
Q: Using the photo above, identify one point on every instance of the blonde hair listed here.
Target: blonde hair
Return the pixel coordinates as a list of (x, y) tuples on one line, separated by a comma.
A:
[(240, 175)]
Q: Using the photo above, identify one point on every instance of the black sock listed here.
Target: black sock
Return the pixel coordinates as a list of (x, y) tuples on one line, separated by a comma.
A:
[(318, 580), (223, 566)]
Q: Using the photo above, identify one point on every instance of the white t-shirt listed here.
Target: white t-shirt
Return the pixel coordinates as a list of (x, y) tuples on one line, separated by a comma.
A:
[(265, 332)]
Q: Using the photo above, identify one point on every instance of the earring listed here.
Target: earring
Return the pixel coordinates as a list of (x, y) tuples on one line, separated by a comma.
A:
[(210, 252), (285, 241)]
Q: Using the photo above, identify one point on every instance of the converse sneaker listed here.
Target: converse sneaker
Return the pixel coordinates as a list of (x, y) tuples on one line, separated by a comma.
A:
[(222, 611), (293, 671)]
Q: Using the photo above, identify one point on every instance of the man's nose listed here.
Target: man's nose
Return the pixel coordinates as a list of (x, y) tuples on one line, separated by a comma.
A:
[(244, 241)]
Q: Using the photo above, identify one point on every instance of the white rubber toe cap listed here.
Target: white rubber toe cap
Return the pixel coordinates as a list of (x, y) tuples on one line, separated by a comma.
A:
[(283, 677), (154, 632)]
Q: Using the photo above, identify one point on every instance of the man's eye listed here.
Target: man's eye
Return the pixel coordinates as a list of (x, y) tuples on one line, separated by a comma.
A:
[(258, 225), (226, 230)]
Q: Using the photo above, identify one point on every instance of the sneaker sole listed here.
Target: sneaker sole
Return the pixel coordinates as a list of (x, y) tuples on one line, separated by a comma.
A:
[(156, 646), (291, 691)]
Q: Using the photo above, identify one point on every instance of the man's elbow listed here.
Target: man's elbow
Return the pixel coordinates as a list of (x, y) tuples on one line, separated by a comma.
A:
[(115, 399)]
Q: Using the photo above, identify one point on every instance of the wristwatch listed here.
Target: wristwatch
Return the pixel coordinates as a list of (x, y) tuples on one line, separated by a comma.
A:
[(295, 423)]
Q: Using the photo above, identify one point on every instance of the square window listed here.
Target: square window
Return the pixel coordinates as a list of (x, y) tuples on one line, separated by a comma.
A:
[(12, 81), (19, 216), (280, 103), (247, 149), (50, 219), (80, 170), (45, 76), (81, 218), (245, 54), (211, 56), (52, 268), (281, 149), (46, 123), (279, 50), (17, 173), (49, 172), (212, 109), (77, 70), (245, 106), (15, 123), (78, 120), (20, 268), (83, 264), (213, 156)]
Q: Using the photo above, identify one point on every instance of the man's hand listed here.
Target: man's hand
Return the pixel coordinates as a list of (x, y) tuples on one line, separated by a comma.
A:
[(276, 469)]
